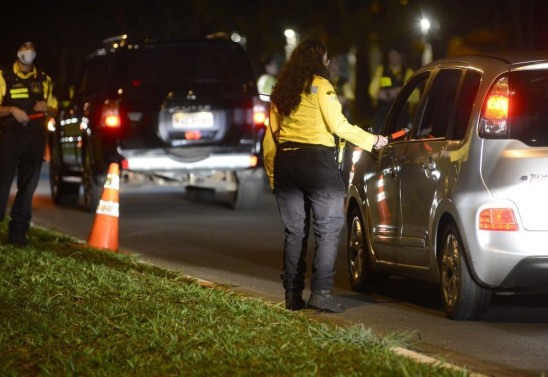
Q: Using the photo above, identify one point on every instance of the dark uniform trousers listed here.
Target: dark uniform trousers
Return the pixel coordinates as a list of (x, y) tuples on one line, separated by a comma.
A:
[(21, 154), (307, 179)]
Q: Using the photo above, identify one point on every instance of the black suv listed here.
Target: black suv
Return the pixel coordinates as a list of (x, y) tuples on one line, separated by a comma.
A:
[(185, 112)]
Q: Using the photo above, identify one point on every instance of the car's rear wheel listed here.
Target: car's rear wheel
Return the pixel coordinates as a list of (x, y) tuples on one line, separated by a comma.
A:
[(250, 188), (360, 268), (463, 298), (62, 192), (92, 182)]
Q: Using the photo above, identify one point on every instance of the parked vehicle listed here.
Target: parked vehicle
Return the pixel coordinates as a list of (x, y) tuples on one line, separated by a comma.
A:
[(185, 112), (462, 199)]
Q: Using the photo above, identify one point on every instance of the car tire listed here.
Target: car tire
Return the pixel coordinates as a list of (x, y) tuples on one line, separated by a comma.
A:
[(463, 298), (92, 182), (250, 187), (360, 267), (62, 192)]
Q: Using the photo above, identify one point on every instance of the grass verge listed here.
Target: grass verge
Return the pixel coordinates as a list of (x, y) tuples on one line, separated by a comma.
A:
[(66, 309)]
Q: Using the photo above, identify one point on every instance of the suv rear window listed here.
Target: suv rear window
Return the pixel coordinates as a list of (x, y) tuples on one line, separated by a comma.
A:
[(223, 66), (528, 107)]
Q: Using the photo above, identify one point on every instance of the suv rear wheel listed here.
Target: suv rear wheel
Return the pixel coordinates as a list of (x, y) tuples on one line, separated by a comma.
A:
[(463, 298), (92, 182), (62, 192), (250, 188)]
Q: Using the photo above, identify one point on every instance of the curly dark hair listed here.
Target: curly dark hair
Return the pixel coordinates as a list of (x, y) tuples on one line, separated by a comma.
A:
[(297, 74)]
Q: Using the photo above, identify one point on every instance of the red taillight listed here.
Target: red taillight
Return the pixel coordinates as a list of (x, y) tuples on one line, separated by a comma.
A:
[(253, 161), (124, 164), (498, 219), (496, 107), (494, 120), (259, 118), (110, 118), (260, 113), (112, 121), (193, 135)]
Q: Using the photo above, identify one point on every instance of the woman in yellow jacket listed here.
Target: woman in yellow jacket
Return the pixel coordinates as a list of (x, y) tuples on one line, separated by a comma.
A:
[(299, 158)]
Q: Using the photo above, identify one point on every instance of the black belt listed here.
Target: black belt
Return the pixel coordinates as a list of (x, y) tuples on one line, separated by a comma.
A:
[(289, 145)]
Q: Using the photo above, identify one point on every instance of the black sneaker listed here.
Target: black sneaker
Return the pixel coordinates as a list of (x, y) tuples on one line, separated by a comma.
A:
[(18, 240), (325, 302), (294, 300)]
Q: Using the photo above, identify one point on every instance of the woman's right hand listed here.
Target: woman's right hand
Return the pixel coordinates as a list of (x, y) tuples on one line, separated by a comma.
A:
[(381, 142)]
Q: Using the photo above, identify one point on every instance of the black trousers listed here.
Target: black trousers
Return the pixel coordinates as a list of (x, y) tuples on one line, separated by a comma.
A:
[(308, 190), (21, 154)]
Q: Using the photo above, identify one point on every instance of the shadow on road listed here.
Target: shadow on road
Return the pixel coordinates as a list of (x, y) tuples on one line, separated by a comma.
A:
[(519, 308)]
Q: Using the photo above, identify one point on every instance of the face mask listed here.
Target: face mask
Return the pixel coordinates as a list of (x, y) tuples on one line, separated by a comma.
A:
[(26, 56)]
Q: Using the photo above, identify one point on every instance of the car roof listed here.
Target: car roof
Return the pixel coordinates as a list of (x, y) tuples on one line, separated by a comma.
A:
[(114, 44), (508, 58)]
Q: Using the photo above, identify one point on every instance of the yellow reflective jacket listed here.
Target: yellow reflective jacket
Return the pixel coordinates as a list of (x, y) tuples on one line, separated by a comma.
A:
[(46, 84), (315, 120)]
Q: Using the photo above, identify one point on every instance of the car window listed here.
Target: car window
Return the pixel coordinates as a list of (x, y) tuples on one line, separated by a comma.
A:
[(439, 105), (94, 74), (174, 65), (403, 112), (465, 104), (529, 110)]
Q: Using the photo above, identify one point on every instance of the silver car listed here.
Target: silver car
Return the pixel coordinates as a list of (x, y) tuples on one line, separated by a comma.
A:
[(462, 199)]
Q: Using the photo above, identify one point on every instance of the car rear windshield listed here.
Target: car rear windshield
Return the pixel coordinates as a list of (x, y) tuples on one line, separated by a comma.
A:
[(529, 107), (173, 64)]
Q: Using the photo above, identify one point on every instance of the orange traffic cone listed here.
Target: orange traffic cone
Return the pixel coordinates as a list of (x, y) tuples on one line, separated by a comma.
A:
[(104, 232)]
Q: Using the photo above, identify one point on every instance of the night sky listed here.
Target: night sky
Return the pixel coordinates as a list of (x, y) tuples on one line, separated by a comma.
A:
[(66, 31)]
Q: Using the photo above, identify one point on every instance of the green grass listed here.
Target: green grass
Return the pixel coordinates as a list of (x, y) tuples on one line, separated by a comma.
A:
[(69, 310)]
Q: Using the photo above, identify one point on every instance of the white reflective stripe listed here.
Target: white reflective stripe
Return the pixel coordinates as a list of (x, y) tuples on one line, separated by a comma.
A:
[(113, 182), (219, 162), (108, 208)]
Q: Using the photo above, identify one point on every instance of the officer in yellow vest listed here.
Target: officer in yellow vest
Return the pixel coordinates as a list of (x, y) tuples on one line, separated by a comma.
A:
[(386, 83), (26, 101), (267, 80)]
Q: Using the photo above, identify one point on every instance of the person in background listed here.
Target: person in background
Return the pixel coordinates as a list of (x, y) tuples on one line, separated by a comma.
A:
[(26, 101), (267, 80), (386, 83), (340, 76), (299, 158)]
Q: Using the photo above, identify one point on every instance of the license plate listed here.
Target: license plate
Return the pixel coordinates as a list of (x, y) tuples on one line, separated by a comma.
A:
[(192, 121)]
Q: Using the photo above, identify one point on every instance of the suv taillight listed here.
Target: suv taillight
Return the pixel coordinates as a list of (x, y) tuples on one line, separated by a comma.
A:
[(259, 113), (110, 116), (494, 119), (498, 219)]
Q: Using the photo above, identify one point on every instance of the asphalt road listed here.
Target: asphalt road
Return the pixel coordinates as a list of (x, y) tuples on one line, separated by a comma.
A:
[(243, 250)]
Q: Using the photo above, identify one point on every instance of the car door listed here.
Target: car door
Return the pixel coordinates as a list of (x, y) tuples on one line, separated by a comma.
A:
[(425, 167), (72, 122), (383, 190), (383, 204)]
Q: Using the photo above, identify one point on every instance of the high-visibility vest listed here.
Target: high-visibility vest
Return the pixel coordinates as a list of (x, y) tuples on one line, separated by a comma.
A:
[(24, 92)]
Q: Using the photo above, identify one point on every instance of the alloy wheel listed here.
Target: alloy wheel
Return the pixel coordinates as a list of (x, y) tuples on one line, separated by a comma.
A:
[(355, 250), (450, 269)]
